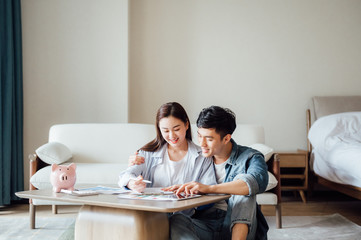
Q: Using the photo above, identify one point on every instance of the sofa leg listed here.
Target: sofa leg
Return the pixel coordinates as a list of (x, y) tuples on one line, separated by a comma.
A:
[(278, 216), (54, 209), (32, 209)]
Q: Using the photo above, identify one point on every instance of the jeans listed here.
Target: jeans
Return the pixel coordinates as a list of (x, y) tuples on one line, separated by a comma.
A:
[(206, 224), (214, 223), (242, 209)]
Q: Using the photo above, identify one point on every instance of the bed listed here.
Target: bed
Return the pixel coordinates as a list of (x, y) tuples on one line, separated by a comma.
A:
[(334, 143)]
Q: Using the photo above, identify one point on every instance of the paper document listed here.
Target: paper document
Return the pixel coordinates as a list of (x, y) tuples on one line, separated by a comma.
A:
[(156, 194), (106, 190), (79, 193), (154, 191)]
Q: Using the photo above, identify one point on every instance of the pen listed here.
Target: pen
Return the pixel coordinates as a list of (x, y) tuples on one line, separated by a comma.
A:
[(146, 181)]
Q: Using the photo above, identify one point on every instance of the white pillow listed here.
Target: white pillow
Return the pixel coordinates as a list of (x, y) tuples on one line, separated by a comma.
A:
[(54, 152), (332, 129), (265, 150), (272, 181)]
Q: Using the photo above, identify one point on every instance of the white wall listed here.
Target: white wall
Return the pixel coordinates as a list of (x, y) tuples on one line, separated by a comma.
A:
[(75, 58), (263, 59)]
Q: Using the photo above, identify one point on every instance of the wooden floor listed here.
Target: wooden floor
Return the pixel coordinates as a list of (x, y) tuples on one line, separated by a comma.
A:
[(321, 203)]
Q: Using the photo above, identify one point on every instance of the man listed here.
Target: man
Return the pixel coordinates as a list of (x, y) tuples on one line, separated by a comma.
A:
[(240, 171)]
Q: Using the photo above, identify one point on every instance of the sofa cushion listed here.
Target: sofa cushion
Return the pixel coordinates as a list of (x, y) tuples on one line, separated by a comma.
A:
[(93, 173), (266, 198), (100, 174), (54, 152), (102, 142), (264, 149), (272, 181)]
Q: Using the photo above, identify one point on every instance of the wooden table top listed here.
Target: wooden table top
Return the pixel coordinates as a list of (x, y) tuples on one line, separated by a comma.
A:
[(107, 200)]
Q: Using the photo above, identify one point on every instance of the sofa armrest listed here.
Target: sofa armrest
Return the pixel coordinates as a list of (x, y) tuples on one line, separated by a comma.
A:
[(35, 164), (274, 168)]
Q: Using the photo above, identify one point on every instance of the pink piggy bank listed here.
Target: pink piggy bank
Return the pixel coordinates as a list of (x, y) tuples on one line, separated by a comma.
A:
[(63, 177)]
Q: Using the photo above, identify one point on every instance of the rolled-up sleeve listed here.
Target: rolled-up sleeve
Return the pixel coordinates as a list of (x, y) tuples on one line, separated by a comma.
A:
[(250, 181), (124, 178), (130, 172), (256, 176)]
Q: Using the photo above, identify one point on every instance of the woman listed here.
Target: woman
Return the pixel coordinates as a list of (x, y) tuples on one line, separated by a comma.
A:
[(171, 158)]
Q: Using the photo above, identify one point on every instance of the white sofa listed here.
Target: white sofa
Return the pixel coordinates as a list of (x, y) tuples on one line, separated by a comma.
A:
[(101, 151)]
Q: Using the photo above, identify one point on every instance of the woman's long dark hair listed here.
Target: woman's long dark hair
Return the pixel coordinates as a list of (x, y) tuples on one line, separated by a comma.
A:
[(173, 109)]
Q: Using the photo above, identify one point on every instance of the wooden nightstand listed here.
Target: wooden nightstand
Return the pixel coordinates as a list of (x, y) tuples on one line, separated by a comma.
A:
[(294, 171)]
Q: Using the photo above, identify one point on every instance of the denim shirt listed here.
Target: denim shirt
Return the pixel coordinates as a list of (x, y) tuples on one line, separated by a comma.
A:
[(198, 169), (248, 165)]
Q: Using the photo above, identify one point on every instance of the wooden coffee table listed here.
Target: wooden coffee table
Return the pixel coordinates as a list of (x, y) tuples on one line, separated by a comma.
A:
[(109, 217)]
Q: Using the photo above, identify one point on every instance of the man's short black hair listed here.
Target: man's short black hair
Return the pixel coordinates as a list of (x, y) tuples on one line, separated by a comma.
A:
[(223, 120)]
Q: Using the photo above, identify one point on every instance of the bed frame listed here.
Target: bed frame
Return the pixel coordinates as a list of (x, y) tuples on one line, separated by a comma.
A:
[(322, 106)]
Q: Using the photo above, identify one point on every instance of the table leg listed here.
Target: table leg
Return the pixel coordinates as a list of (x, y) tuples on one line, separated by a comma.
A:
[(302, 194), (95, 222)]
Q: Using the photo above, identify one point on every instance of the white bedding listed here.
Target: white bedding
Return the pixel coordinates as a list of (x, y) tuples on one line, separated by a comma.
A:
[(336, 142)]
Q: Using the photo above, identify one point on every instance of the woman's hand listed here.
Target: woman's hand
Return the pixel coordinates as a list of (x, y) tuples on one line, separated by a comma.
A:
[(137, 184), (135, 160)]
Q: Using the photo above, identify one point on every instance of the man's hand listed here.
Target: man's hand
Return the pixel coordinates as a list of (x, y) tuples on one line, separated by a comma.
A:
[(135, 160), (172, 188), (193, 188), (137, 184)]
